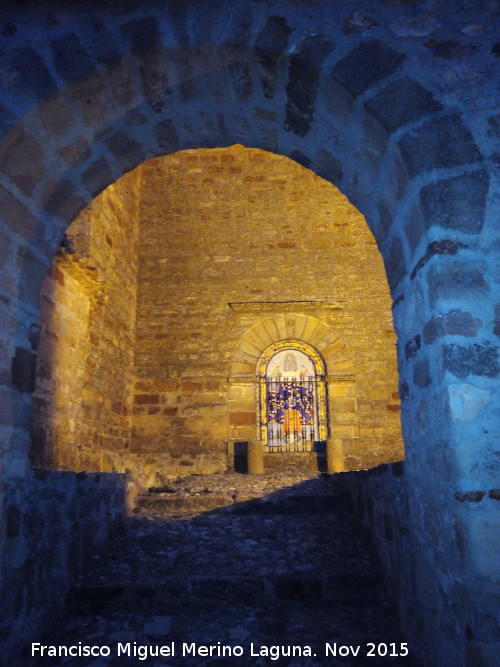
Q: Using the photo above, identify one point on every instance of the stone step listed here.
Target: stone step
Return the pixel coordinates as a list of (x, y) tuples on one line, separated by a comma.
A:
[(180, 504), (172, 593)]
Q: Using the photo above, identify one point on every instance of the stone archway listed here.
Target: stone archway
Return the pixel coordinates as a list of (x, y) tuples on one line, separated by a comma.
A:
[(90, 100)]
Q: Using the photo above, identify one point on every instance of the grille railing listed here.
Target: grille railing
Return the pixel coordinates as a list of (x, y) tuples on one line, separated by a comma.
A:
[(290, 412)]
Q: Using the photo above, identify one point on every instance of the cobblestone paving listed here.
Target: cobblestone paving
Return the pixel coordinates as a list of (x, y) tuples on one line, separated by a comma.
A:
[(282, 564)]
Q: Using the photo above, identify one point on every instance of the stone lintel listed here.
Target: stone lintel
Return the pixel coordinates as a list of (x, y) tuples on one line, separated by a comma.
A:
[(271, 306)]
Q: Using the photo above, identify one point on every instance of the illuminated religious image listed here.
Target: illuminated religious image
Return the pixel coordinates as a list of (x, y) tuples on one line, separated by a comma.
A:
[(291, 400)]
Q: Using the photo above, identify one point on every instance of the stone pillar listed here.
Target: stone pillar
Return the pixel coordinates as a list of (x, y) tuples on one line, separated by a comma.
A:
[(334, 455), (255, 455)]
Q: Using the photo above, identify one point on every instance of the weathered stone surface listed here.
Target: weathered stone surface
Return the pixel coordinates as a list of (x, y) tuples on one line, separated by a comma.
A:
[(7, 120), (395, 264), (475, 359), (75, 152), (415, 228), (447, 48), (456, 323), (456, 280), (94, 320), (61, 200), (21, 159), (358, 22), (444, 247), (23, 370), (96, 174), (52, 519), (5, 246), (269, 47), (32, 272), (466, 401), (167, 135), (128, 152), (71, 59), (328, 166), (412, 347), (441, 142), (469, 496), (100, 39), (414, 101), (303, 80), (422, 373), (143, 34), (25, 74), (496, 327), (456, 203), (368, 64)]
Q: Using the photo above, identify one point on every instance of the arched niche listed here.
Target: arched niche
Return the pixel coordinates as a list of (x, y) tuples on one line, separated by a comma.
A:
[(292, 405)]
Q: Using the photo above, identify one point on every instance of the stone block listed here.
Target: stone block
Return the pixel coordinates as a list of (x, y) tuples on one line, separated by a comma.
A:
[(26, 76), (270, 46), (443, 247), (31, 274), (128, 152), (455, 323), (421, 373), (402, 102), (440, 142), (303, 80), (71, 59), (60, 199), (144, 399), (142, 34), (415, 227), (242, 418), (13, 521), (328, 166), (167, 136), (474, 359), (240, 75), (76, 152), (456, 203), (483, 529), (343, 404), (97, 176), (395, 264), (496, 325), (449, 48), (5, 247), (366, 65), (412, 347), (457, 280), (21, 159), (101, 38)]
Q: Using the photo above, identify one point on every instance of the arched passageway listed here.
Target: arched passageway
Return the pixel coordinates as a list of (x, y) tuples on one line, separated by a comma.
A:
[(153, 317), (408, 139)]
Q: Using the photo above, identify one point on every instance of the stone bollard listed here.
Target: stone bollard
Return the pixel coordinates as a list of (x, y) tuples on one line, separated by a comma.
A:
[(334, 456), (255, 459)]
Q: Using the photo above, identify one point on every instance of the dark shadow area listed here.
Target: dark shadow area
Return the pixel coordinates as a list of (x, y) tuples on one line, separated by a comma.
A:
[(288, 578), (241, 457)]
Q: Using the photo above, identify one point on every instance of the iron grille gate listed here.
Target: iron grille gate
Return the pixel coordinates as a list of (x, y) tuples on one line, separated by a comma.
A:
[(291, 413)]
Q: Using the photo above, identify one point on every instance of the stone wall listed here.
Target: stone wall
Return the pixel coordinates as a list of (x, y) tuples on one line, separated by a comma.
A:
[(84, 377), (463, 593), (238, 249), (54, 522)]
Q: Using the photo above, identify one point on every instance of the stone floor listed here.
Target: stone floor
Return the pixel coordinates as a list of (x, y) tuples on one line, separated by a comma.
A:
[(256, 570)]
